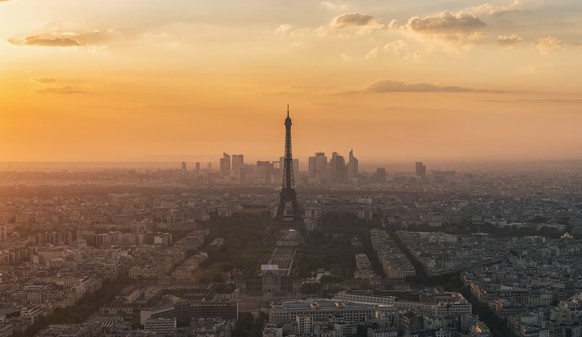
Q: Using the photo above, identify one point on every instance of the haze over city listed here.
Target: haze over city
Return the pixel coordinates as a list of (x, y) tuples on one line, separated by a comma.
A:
[(270, 168), (170, 81)]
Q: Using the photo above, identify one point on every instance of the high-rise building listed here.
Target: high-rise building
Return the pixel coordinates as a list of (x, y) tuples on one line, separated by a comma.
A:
[(264, 172), (288, 193), (197, 168), (225, 164), (317, 164), (338, 168), (420, 169), (320, 162), (184, 170), (242, 175), (353, 166), (311, 166), (380, 175), (238, 160)]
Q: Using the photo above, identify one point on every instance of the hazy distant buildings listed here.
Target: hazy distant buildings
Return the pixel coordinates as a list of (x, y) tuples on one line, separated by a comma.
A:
[(335, 171), (352, 166), (238, 160), (420, 169), (184, 170), (264, 172), (225, 164), (317, 166), (338, 168), (380, 175)]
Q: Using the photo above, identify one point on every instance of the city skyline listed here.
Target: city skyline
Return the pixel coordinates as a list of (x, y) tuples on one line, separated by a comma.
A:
[(135, 81)]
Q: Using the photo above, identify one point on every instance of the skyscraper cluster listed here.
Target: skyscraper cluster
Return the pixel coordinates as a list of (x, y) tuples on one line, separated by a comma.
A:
[(334, 171), (233, 169)]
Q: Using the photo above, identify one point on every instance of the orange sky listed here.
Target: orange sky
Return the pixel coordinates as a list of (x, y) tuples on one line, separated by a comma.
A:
[(182, 80)]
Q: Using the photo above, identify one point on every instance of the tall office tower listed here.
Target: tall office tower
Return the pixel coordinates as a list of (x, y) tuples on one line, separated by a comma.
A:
[(338, 168), (353, 166), (317, 164), (225, 164), (320, 162), (242, 175), (197, 168), (184, 171), (311, 166), (288, 193), (420, 169), (380, 175), (264, 172), (238, 160)]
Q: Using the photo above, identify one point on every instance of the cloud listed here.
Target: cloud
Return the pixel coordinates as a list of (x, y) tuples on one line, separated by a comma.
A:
[(393, 24), (398, 48), (508, 40), (394, 86), (389, 86), (352, 24), (44, 80), (56, 41), (65, 39), (353, 20), (489, 9), (283, 29), (53, 86), (457, 29), (67, 90), (333, 5), (538, 100), (546, 44), (445, 23)]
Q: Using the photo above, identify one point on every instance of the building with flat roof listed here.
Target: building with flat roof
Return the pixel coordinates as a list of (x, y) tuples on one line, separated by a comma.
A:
[(326, 309)]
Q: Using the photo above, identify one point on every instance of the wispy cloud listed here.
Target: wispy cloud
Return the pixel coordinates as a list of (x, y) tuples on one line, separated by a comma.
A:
[(66, 90), (53, 86), (546, 44), (398, 48), (333, 5), (44, 80), (389, 86), (64, 39), (353, 24), (283, 29), (489, 9), (47, 41), (509, 40), (537, 100)]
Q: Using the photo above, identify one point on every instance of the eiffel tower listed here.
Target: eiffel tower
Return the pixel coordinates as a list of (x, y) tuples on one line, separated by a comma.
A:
[(288, 193)]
